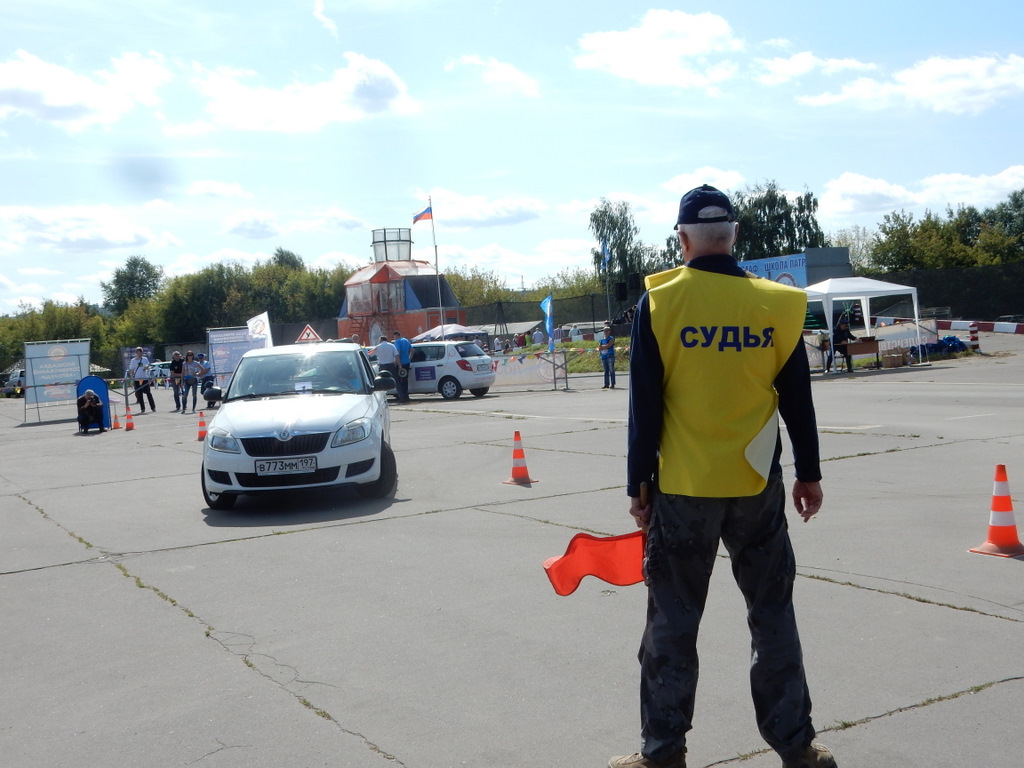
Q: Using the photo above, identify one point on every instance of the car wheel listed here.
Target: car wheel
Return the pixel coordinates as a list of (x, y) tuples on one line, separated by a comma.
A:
[(216, 500), (385, 484), (449, 388), (479, 392)]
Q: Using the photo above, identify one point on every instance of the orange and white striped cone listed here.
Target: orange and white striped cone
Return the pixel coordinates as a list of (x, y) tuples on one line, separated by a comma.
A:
[(520, 474), (202, 427), (129, 425), (117, 423), (1002, 530)]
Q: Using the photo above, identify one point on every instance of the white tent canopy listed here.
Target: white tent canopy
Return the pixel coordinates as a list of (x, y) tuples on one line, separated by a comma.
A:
[(861, 289)]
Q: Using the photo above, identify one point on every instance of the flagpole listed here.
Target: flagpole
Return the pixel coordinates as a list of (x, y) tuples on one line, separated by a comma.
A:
[(607, 297), (605, 261), (433, 233)]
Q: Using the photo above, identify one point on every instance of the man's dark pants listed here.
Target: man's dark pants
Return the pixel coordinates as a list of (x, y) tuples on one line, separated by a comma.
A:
[(176, 386), (144, 388), (682, 545), (403, 381)]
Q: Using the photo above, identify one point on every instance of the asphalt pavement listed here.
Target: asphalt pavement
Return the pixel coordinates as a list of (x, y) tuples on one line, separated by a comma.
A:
[(321, 629)]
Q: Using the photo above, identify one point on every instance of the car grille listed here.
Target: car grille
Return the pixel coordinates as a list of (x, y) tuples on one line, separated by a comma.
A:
[(299, 445), (250, 480)]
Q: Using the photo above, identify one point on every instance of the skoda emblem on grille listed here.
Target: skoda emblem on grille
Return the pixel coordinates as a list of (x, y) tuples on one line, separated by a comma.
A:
[(284, 435)]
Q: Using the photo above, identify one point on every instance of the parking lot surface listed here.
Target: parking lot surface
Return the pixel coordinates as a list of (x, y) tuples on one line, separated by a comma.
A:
[(322, 629)]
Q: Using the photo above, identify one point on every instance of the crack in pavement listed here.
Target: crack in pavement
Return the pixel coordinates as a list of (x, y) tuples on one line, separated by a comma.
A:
[(846, 725)]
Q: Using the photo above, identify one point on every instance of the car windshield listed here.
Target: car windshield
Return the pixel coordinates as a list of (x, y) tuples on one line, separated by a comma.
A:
[(321, 371)]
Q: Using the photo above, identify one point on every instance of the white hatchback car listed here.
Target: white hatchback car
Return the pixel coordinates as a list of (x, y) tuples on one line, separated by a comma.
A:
[(449, 367), (299, 416)]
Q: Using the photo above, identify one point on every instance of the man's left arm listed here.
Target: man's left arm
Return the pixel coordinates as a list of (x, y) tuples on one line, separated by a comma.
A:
[(796, 407)]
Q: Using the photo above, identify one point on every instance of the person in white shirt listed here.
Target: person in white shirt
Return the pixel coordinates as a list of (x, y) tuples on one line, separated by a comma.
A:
[(538, 336), (138, 372), (387, 354)]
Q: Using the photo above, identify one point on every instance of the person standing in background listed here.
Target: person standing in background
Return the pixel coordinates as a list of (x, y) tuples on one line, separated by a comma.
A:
[(402, 364), (138, 372), (190, 371), (175, 371), (607, 347)]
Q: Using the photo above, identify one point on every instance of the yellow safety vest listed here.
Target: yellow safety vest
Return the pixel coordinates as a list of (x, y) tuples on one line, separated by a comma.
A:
[(723, 339)]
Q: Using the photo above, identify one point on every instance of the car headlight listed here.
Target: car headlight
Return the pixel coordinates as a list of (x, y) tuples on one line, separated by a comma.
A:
[(222, 441), (352, 432)]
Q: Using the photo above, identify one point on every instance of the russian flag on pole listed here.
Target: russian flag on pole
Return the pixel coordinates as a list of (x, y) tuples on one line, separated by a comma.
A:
[(424, 214), (604, 253)]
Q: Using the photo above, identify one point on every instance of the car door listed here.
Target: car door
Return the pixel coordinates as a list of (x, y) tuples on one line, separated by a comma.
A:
[(426, 366)]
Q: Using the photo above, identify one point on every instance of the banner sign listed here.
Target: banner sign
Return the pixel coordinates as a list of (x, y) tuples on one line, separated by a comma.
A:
[(53, 370), (259, 329), (227, 345), (524, 370), (127, 353), (788, 270)]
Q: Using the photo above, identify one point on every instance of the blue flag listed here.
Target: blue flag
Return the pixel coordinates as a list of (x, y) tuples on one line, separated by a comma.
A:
[(549, 321), (604, 252)]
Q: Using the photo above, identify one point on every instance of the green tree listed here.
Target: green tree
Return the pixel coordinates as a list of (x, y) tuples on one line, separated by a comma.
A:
[(474, 287), (1006, 220), (287, 259), (893, 246), (996, 246), (858, 241), (613, 223), (137, 279), (772, 224)]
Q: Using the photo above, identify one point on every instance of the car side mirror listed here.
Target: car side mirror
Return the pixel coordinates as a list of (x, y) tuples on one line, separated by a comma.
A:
[(384, 383), (213, 394)]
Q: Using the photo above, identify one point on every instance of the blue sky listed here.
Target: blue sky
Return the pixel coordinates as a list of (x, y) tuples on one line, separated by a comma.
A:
[(199, 132)]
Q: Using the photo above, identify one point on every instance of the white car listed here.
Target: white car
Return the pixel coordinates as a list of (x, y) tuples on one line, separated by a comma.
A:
[(448, 367), (299, 416)]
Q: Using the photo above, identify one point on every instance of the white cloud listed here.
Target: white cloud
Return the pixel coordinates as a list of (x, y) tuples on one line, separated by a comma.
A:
[(37, 271), (252, 225), (853, 198), (332, 259), (364, 88), (326, 220), (190, 263), (77, 228), (52, 93), (318, 13), (500, 74), (457, 211), (668, 48), (716, 177), (958, 86), (517, 268), (782, 70), (210, 188)]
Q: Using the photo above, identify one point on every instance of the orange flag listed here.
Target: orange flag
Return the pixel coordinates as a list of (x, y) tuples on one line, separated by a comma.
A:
[(615, 559)]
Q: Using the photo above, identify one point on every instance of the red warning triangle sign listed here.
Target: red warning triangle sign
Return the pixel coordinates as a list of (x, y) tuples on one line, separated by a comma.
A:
[(308, 334)]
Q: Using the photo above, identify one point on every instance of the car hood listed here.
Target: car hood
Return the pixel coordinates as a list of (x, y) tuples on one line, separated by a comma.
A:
[(303, 414)]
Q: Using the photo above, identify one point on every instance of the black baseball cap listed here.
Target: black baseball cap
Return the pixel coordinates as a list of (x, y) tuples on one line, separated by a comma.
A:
[(704, 205)]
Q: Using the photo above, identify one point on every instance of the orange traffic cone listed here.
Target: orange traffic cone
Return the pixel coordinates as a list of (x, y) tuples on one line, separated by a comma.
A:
[(117, 423), (129, 425), (202, 427), (520, 474), (1002, 530)]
